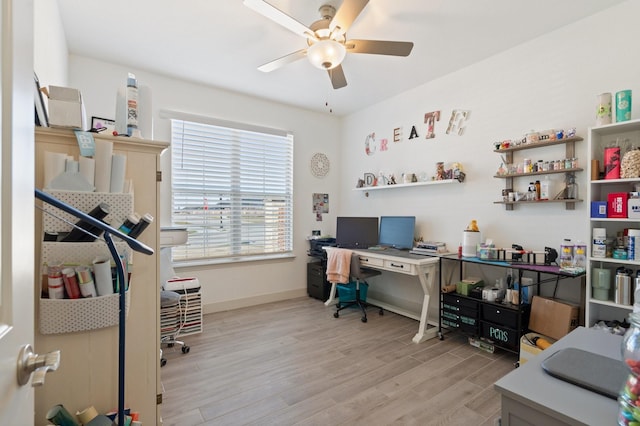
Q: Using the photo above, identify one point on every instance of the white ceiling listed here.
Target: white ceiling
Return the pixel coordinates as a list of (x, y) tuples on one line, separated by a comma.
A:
[(221, 43)]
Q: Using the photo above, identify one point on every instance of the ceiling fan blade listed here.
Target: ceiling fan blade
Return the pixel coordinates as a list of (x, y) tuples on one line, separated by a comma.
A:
[(379, 47), (347, 13), (337, 77), (279, 17), (280, 62)]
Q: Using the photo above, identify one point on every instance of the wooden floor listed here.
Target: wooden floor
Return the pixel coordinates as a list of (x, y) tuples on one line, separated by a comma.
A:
[(292, 362)]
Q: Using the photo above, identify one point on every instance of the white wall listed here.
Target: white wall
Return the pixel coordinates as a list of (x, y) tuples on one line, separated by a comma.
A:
[(550, 82), (237, 284), (50, 45)]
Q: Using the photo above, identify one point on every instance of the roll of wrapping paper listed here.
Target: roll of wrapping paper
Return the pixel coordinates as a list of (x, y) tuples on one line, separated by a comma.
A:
[(102, 274), (595, 169), (612, 162), (118, 168), (54, 165), (59, 416), (88, 169), (104, 152), (87, 415), (87, 287)]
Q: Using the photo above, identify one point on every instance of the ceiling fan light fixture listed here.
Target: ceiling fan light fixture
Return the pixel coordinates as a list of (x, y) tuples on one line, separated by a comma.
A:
[(326, 54)]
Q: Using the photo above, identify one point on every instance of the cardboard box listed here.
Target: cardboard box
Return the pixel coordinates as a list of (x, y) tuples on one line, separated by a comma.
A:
[(552, 317), (633, 208), (66, 108), (465, 286), (527, 349), (617, 203), (599, 209)]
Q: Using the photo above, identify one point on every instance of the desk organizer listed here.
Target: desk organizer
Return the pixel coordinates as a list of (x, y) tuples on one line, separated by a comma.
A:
[(57, 316)]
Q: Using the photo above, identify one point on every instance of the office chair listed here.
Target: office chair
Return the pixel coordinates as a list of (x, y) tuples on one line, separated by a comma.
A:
[(359, 275), (171, 319)]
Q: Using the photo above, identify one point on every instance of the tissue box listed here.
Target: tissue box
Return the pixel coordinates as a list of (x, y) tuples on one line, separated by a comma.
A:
[(486, 251), (66, 108)]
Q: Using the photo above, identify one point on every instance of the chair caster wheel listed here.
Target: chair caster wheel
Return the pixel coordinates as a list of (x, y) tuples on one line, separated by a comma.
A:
[(170, 345), (381, 312), (336, 315), (185, 349), (163, 362), (363, 319)]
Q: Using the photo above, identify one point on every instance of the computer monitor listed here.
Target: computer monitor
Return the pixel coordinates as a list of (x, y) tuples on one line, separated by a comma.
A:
[(356, 232), (397, 231)]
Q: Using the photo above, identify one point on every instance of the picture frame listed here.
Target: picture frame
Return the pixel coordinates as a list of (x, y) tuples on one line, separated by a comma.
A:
[(41, 116), (100, 125)]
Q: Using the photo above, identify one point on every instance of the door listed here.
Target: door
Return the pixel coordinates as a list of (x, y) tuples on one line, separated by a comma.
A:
[(16, 206)]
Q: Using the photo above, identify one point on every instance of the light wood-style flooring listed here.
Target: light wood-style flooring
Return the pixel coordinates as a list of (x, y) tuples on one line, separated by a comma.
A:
[(293, 363)]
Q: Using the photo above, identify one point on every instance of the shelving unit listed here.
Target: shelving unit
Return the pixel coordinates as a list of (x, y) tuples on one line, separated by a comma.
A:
[(186, 321), (88, 369), (509, 178), (597, 190), (501, 323)]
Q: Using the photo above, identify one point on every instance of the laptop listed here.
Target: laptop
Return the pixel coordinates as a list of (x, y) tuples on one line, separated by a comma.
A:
[(597, 373)]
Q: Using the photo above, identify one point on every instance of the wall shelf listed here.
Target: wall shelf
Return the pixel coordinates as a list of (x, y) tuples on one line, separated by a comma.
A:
[(405, 185), (569, 144)]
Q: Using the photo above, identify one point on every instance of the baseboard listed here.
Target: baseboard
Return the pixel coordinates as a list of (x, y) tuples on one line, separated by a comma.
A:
[(252, 301)]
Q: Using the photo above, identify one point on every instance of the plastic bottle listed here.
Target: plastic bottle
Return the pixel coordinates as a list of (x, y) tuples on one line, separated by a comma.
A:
[(132, 104), (545, 188), (628, 398)]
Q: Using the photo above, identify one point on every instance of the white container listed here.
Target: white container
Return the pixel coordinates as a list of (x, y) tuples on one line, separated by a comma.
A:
[(545, 188), (633, 247), (599, 248), (470, 241), (633, 210)]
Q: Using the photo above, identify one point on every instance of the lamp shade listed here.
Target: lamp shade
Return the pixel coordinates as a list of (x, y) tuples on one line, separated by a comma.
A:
[(326, 54)]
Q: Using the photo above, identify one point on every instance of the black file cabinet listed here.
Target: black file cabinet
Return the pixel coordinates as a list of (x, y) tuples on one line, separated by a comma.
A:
[(317, 285)]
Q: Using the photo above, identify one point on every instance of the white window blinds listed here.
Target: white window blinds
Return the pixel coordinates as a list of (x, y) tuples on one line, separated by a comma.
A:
[(232, 189)]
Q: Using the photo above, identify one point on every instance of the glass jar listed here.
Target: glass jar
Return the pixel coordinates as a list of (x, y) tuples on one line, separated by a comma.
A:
[(629, 394)]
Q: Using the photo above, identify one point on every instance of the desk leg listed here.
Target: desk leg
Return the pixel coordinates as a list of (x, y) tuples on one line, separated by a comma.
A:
[(426, 277), (332, 296)]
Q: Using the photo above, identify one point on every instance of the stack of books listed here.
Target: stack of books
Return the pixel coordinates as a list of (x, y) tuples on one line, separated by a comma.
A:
[(429, 248)]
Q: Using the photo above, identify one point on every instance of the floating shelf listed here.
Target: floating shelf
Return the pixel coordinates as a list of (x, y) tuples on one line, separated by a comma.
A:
[(539, 144), (548, 172), (405, 185)]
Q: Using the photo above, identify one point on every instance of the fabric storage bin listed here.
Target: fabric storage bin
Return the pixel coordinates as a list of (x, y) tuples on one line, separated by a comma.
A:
[(347, 292)]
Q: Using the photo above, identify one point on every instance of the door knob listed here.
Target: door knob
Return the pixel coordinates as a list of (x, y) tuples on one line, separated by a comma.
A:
[(39, 365)]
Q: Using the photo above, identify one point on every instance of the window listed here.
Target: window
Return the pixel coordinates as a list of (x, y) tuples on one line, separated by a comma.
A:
[(233, 190)]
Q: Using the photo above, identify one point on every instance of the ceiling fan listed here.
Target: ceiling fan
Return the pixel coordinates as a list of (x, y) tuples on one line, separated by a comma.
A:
[(327, 38)]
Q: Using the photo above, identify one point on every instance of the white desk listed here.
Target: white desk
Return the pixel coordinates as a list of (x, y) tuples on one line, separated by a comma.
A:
[(403, 262), (530, 396)]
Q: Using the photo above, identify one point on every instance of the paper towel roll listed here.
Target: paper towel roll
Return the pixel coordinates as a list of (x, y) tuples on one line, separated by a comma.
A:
[(102, 273), (88, 169), (54, 165), (118, 169), (104, 152)]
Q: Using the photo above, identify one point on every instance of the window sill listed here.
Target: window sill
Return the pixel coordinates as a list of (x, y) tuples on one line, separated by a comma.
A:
[(230, 260)]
